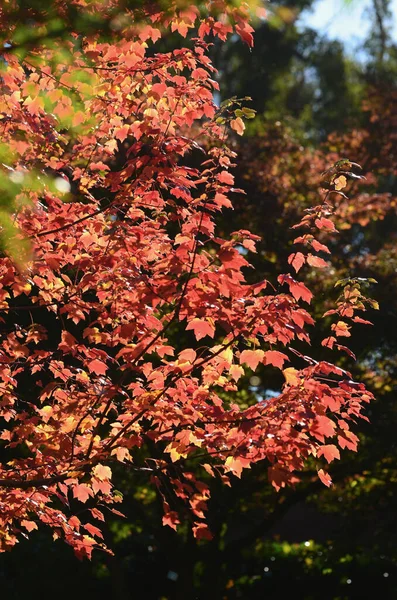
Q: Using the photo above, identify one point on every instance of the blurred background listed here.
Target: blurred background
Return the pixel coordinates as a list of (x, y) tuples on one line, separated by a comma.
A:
[(323, 79)]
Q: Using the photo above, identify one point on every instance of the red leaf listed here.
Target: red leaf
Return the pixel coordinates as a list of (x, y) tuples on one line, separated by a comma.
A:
[(188, 355), (75, 523), (245, 32), (171, 519), (117, 512), (330, 452), (159, 89), (348, 440), (331, 402), (122, 132), (68, 342), (362, 321), (347, 350), (92, 530), (325, 478), (297, 260), (341, 329), (277, 476), (222, 200), (29, 525), (199, 74), (82, 492), (201, 328), (201, 531), (250, 245), (328, 342), (226, 177), (97, 514), (87, 239), (320, 247), (322, 427), (101, 486), (275, 358), (252, 358), (98, 367), (299, 290), (316, 261), (99, 166), (324, 223)]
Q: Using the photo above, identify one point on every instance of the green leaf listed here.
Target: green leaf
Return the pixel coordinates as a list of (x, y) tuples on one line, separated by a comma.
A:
[(249, 113)]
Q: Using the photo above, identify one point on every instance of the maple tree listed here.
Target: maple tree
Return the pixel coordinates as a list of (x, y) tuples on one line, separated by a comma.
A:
[(126, 317)]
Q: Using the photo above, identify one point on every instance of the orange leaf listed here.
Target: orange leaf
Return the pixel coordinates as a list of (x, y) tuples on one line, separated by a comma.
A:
[(209, 469), (34, 105), (238, 125)]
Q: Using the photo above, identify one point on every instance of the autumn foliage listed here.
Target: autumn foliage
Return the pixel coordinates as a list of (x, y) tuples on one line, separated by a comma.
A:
[(126, 320)]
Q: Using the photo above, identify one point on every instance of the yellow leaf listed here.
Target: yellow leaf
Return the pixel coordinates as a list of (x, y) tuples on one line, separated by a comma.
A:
[(236, 372), (234, 465), (102, 472), (195, 441), (46, 413), (340, 182), (291, 376), (227, 355), (175, 455), (68, 425)]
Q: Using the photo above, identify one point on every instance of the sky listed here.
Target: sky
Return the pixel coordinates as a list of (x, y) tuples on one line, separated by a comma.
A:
[(348, 23)]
